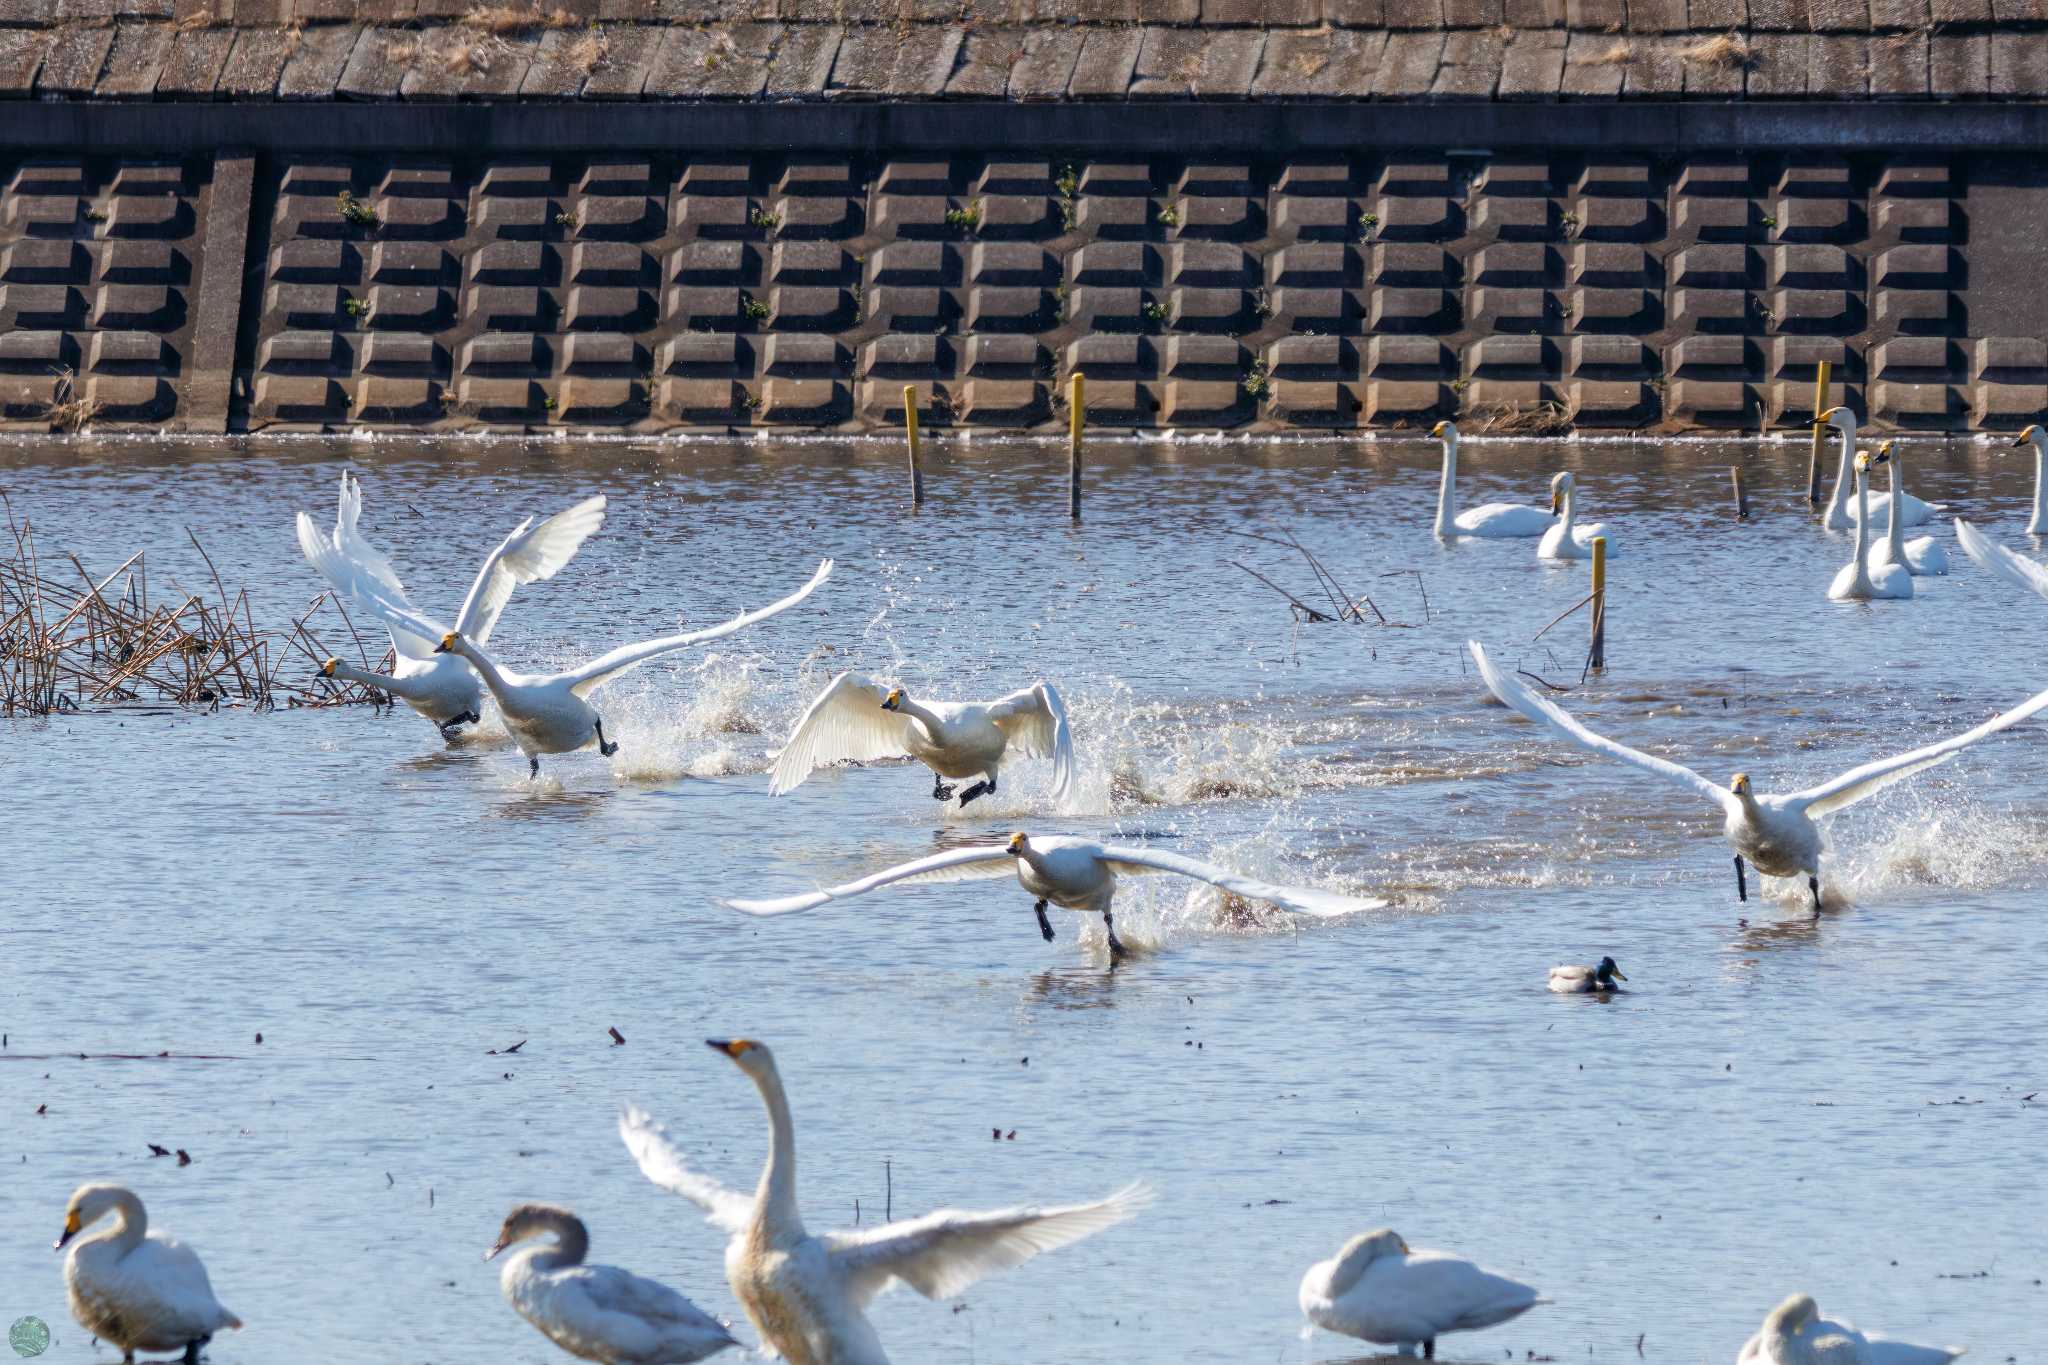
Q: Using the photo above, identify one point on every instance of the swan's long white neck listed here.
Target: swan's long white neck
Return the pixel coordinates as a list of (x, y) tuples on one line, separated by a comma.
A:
[(919, 714), (775, 1198), (131, 1227), (1895, 538), (1862, 586), (1447, 491), (412, 689), (481, 661), (571, 1245), (1566, 498), (2039, 523), (1838, 506)]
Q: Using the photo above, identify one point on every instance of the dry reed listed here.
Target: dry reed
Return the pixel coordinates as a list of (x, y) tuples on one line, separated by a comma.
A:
[(1729, 50)]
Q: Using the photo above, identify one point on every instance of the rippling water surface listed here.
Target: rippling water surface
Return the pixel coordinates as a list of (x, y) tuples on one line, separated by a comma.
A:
[(1844, 1106)]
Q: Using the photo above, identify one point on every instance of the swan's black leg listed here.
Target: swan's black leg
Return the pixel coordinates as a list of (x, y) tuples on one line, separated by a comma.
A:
[(602, 747), (533, 765), (981, 788), (1116, 947), (1813, 885), (1429, 1349), (1741, 886), (468, 718), (191, 1353), (1044, 924), (940, 791)]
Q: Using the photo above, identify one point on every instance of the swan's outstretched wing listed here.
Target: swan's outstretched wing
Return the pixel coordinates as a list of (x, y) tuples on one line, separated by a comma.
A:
[(661, 1162), (601, 670), (1303, 900), (361, 585), (529, 553), (1554, 718), (1035, 720), (1857, 783), (349, 539), (2015, 569), (941, 1254), (845, 722), (954, 865)]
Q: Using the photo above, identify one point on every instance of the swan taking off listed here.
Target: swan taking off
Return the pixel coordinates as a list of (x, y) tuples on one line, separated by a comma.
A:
[(2037, 524), (1776, 833), (1495, 520), (443, 689), (857, 718), (2015, 569), (1578, 980), (1841, 513), (138, 1289), (1377, 1289), (1070, 872), (1564, 540), (1922, 556), (808, 1294), (1796, 1334), (597, 1312), (1862, 579)]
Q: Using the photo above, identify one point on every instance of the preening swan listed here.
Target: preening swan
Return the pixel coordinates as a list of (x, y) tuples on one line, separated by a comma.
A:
[(597, 1312), (1776, 833), (2037, 524), (2015, 569), (1564, 540), (1861, 580), (808, 1294), (1495, 520), (1922, 556), (857, 718), (1378, 1290), (1577, 980), (442, 688), (1840, 512), (1796, 1334), (138, 1289), (1073, 873)]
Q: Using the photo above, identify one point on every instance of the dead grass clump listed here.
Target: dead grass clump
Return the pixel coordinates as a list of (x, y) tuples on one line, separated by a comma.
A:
[(506, 20), (1730, 51), (467, 57), (1311, 64), (1518, 419), (1618, 55), (197, 19), (403, 51), (590, 51), (71, 408)]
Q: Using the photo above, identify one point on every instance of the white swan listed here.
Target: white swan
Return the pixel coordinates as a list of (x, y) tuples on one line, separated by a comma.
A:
[(807, 1294), (1495, 520), (1860, 580), (2015, 569), (1796, 1334), (1776, 833), (442, 688), (1070, 872), (2037, 524), (597, 1312), (1564, 540), (1922, 556), (1378, 1290), (854, 718), (1578, 980), (1840, 512), (137, 1289)]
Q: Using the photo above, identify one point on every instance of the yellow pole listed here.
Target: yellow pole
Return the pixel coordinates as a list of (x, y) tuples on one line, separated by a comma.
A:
[(1820, 405), (1077, 417), (1741, 496), (1598, 658), (916, 452)]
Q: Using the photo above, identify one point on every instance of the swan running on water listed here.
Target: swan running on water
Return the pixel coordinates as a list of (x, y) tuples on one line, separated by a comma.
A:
[(855, 719), (1579, 980), (808, 1294), (1840, 514), (1796, 1334), (1495, 520), (138, 1289), (1863, 578), (1378, 1290), (1776, 833), (1564, 540), (440, 687), (1072, 873), (597, 1312)]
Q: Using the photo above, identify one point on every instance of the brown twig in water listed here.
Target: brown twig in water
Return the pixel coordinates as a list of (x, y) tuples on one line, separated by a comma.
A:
[(1555, 687), (1308, 611), (1546, 630)]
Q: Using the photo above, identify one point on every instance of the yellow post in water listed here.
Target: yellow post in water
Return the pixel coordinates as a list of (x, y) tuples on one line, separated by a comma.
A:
[(1598, 657), (1077, 417), (1820, 405), (916, 451)]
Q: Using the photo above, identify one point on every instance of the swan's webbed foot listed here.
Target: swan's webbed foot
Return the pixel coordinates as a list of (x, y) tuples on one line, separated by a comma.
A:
[(1117, 951), (981, 788), (1741, 884), (1813, 885), (940, 790), (604, 747), (451, 732), (533, 766), (1044, 924)]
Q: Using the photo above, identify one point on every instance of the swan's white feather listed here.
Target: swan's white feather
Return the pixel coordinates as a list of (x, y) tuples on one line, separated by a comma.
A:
[(972, 863), (662, 1162), (1300, 899), (845, 723), (2018, 570), (1035, 720), (1871, 778), (587, 678), (526, 556)]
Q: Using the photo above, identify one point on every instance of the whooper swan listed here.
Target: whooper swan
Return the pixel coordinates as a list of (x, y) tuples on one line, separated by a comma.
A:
[(597, 1312), (138, 1289), (856, 718), (1841, 512), (2037, 524), (1378, 1290), (1579, 980), (1495, 520), (808, 1294), (1070, 872), (1922, 556), (1776, 833), (1796, 1334), (1861, 580), (1564, 539), (440, 687)]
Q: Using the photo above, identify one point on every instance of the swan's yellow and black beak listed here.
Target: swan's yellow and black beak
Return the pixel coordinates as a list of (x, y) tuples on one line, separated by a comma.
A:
[(1740, 786), (893, 700), (1884, 454), (1862, 462), (327, 668), (1556, 502), (734, 1048), (2025, 437), (1439, 429), (1016, 845), (71, 1227), (447, 643), (1821, 419)]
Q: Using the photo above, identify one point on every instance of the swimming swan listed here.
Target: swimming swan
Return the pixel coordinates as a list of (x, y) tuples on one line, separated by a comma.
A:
[(808, 1294), (1576, 980), (1564, 540), (2015, 569), (1796, 1334), (442, 688), (597, 1312), (1861, 579), (138, 1289), (1070, 872), (1840, 513), (2037, 524), (855, 718), (1776, 833), (1378, 1290), (1494, 521), (1922, 556)]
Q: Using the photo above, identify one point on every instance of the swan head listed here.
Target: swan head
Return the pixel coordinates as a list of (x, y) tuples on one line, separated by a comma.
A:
[(1560, 485), (88, 1204), (1883, 455), (1793, 1314), (532, 1220), (893, 700), (327, 668), (1740, 784), (1862, 462), (1838, 417), (1607, 969), (751, 1057), (448, 643), (2033, 435), (1445, 430), (1368, 1247), (1018, 843)]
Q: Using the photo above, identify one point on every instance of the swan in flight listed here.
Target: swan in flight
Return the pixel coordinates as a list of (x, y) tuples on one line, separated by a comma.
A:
[(139, 1290), (1070, 872), (2015, 569), (1377, 1289), (1564, 540), (1841, 512), (597, 1312), (1577, 980), (1776, 833), (2037, 524), (1796, 1334), (442, 688), (1922, 556), (1495, 520), (1862, 579), (808, 1293), (857, 718)]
